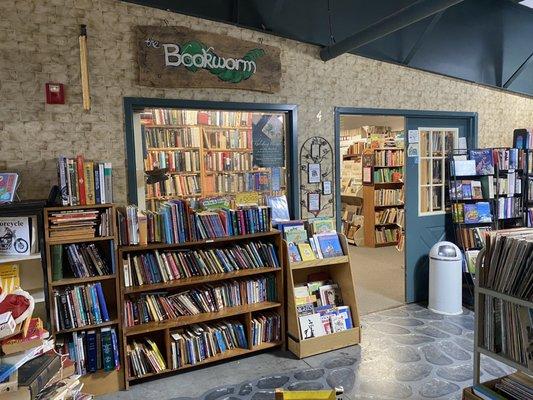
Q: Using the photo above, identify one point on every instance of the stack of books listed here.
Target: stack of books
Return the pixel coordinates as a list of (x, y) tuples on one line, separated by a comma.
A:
[(388, 157), (84, 182), (390, 216), (320, 309), (472, 189), (172, 116), (92, 350), (173, 160), (220, 182), (228, 161), (509, 207), (155, 267), (171, 137), (177, 222), (266, 328), (144, 357), (383, 235), (84, 260), (388, 197), (202, 299), (197, 343), (472, 238), (474, 213), (79, 306), (175, 185), (517, 386), (80, 224), (310, 241), (228, 139), (387, 175)]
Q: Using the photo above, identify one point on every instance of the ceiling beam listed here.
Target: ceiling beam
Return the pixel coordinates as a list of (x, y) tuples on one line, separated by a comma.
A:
[(427, 31), (392, 23), (517, 73)]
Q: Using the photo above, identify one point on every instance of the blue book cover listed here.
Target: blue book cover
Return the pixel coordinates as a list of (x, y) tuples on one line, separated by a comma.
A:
[(484, 161), (483, 211), (330, 245), (467, 190), (294, 254), (101, 300), (114, 342), (96, 307), (97, 195), (513, 158), (471, 214), (345, 312), (154, 268), (91, 351)]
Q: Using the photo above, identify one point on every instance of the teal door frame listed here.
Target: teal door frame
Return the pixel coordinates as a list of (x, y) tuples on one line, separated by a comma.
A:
[(472, 123)]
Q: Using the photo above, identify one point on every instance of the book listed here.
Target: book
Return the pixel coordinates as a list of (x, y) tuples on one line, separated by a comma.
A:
[(295, 233), (57, 262), (311, 326), (294, 254), (471, 214), (467, 190), (7, 324), (344, 311), (477, 191), (35, 374), (280, 208), (8, 186), (329, 245), (330, 295), (15, 234), (484, 213), (486, 393), (35, 336), (484, 162), (338, 323), (464, 167), (322, 225), (9, 277), (306, 252)]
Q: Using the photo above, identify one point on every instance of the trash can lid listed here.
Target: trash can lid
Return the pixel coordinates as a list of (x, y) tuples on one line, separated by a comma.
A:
[(445, 251)]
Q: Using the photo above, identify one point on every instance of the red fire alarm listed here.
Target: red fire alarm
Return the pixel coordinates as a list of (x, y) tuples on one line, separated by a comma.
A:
[(55, 93)]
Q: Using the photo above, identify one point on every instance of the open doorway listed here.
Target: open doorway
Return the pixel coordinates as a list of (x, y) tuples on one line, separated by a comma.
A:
[(372, 206)]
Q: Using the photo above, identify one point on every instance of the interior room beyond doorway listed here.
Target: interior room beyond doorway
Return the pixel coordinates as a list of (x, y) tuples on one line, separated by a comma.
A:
[(372, 195)]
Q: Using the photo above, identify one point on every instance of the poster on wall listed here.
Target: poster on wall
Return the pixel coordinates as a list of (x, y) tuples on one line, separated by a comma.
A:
[(268, 141), (14, 236), (176, 56)]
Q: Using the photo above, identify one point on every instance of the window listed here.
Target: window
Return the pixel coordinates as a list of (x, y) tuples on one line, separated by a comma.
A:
[(435, 144)]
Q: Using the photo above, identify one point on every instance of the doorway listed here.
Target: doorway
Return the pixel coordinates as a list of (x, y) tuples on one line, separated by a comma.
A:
[(387, 280)]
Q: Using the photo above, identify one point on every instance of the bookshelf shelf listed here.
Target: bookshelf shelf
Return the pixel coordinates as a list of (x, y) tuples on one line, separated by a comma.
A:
[(99, 382), (80, 240), (78, 281), (113, 321), (195, 280), (389, 205), (389, 166), (340, 271), (208, 127), (385, 244), (244, 314), (14, 259), (232, 150), (199, 318), (172, 148)]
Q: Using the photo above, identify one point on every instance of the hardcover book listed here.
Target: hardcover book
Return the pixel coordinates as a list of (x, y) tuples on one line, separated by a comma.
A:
[(295, 233), (306, 252), (294, 254), (330, 245), (471, 215), (483, 211), (8, 186), (311, 326), (484, 161)]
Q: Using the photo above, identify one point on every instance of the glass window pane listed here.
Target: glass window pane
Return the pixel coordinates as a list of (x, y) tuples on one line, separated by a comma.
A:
[(450, 141), (424, 144), (437, 198), (425, 199), (437, 145), (437, 171), (425, 172)]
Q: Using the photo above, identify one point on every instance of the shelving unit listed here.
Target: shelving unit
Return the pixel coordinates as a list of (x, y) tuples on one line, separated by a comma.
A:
[(99, 382), (210, 182), (381, 159), (161, 330), (340, 270)]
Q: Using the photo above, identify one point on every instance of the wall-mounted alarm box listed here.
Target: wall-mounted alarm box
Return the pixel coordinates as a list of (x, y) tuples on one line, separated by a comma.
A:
[(55, 93)]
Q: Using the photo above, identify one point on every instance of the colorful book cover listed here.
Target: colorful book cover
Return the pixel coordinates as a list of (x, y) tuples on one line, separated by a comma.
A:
[(311, 326), (345, 312), (456, 191), (305, 309), (477, 192), (483, 211), (8, 185), (338, 323), (295, 233), (471, 215), (280, 208), (306, 252), (467, 190), (484, 161), (330, 245), (323, 225), (294, 254)]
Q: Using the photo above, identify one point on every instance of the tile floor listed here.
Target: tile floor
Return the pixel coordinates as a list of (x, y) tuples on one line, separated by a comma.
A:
[(406, 353)]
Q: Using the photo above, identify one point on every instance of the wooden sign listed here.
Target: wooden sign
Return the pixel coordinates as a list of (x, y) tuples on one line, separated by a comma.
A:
[(176, 56)]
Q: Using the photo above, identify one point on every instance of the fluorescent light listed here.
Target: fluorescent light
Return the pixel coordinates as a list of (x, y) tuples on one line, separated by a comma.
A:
[(527, 3)]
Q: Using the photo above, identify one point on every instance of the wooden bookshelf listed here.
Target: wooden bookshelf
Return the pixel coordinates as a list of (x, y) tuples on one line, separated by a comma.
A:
[(340, 271), (99, 382), (372, 164), (244, 313), (207, 177)]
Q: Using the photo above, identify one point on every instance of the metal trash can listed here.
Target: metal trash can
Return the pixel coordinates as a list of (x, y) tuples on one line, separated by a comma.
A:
[(445, 279)]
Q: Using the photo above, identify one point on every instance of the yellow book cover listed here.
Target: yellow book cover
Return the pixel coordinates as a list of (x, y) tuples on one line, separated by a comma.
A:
[(9, 277), (306, 252), (304, 300), (88, 174)]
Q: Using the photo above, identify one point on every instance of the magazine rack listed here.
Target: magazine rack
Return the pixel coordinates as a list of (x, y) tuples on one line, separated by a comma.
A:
[(340, 271)]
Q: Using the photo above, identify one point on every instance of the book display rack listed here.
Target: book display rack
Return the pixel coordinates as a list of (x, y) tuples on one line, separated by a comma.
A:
[(83, 288), (383, 196), (204, 153), (221, 298), (339, 270), (503, 314)]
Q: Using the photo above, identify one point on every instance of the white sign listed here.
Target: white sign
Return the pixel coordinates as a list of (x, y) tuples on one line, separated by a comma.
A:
[(412, 150), (413, 136), (14, 236)]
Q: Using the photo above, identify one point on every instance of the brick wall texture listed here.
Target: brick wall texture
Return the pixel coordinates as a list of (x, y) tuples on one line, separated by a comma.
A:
[(39, 44)]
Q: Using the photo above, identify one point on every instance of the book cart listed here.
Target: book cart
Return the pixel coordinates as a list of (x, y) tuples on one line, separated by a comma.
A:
[(372, 189), (480, 293), (160, 332), (99, 382), (340, 270)]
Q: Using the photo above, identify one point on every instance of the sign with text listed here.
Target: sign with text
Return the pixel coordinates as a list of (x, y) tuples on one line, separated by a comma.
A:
[(176, 56)]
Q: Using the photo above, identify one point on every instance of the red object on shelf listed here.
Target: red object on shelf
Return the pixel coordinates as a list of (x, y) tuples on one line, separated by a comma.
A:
[(55, 93)]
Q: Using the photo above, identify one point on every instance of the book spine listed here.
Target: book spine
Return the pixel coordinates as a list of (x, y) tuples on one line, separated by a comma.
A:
[(102, 302), (108, 182), (88, 172), (81, 181), (97, 192), (62, 170)]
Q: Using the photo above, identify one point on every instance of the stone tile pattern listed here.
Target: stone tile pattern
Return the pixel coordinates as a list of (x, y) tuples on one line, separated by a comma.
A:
[(40, 44), (432, 361)]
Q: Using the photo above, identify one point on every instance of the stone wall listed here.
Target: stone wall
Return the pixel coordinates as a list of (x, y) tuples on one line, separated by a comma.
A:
[(40, 44)]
